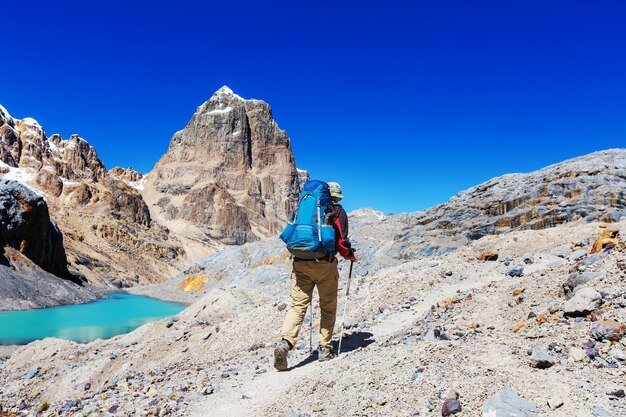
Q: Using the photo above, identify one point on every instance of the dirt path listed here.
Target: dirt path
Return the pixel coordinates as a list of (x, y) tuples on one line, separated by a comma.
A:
[(252, 397)]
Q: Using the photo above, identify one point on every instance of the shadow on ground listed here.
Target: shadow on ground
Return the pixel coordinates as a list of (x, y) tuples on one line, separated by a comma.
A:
[(349, 343)]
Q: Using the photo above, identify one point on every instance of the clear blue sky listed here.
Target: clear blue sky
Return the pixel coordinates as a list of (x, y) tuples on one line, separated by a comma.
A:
[(403, 103)]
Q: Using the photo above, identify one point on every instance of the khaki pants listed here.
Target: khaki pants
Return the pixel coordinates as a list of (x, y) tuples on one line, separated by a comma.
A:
[(305, 276)]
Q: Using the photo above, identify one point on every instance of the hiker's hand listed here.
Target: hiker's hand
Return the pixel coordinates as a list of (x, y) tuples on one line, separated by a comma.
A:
[(356, 256)]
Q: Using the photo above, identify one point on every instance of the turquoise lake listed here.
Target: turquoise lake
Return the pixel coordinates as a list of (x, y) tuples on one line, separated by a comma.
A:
[(104, 318)]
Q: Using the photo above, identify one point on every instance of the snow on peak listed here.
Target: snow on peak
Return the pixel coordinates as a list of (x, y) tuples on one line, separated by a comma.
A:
[(368, 215), (5, 112), (221, 111), (29, 121), (225, 90)]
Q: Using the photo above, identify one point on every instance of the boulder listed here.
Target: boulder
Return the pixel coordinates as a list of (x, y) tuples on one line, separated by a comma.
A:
[(576, 279), (488, 256), (515, 271), (607, 237), (26, 226), (541, 359), (582, 303), (506, 403), (608, 330)]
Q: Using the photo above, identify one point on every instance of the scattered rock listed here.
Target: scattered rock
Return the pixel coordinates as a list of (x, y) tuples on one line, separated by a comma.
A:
[(171, 322), (488, 256), (608, 330), (618, 354), (600, 412), (515, 271), (541, 359), (555, 403), (582, 303), (577, 354), (606, 238), (89, 410), (451, 406), (33, 372), (528, 258), (576, 279), (617, 393), (577, 255), (506, 403), (507, 261), (281, 306), (518, 291)]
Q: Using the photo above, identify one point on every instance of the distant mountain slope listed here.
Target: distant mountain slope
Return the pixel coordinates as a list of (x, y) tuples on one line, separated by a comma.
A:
[(108, 233), (589, 188)]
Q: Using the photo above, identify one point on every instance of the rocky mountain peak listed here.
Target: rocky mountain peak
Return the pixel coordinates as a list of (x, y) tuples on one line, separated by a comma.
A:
[(225, 91), (229, 176)]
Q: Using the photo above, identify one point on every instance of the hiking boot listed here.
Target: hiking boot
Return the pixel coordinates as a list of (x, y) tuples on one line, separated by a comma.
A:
[(325, 353), (281, 350)]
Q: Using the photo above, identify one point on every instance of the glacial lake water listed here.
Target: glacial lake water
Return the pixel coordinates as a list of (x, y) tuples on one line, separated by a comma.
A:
[(104, 318)]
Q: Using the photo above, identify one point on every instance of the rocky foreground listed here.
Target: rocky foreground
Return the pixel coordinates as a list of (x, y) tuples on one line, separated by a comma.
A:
[(538, 329)]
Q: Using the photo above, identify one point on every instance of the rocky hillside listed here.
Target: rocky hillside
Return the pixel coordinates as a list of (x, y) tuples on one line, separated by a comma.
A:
[(389, 240), (229, 176), (109, 237), (33, 266), (498, 337)]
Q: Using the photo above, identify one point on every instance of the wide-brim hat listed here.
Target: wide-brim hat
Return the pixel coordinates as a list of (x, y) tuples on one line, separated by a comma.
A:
[(335, 190)]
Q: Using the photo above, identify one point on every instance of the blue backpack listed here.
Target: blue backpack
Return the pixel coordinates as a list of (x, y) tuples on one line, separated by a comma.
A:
[(308, 236)]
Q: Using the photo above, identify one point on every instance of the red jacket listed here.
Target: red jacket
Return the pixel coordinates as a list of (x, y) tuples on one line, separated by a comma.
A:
[(340, 224)]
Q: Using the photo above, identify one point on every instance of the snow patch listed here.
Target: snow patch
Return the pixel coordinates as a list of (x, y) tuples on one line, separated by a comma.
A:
[(29, 121), (364, 214), (236, 133), (5, 112), (139, 185), (21, 175), (221, 111), (225, 90)]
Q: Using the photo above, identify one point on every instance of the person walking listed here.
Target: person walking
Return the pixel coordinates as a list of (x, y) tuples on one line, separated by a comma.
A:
[(323, 274)]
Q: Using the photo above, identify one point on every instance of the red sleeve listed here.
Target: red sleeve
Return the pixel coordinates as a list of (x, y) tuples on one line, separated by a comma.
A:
[(342, 243)]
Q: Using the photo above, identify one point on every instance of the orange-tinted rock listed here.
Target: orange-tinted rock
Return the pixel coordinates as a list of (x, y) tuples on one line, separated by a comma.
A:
[(194, 283), (608, 330), (519, 326), (607, 237), (488, 256)]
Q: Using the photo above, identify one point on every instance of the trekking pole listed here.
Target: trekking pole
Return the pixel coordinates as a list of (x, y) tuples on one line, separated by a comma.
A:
[(345, 307), (311, 328)]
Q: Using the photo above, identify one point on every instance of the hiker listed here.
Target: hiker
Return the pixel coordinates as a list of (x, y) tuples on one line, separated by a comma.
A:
[(321, 272)]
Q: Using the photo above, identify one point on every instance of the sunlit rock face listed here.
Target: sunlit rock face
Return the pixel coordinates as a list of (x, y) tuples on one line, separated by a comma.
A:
[(229, 176), (109, 237), (590, 187)]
